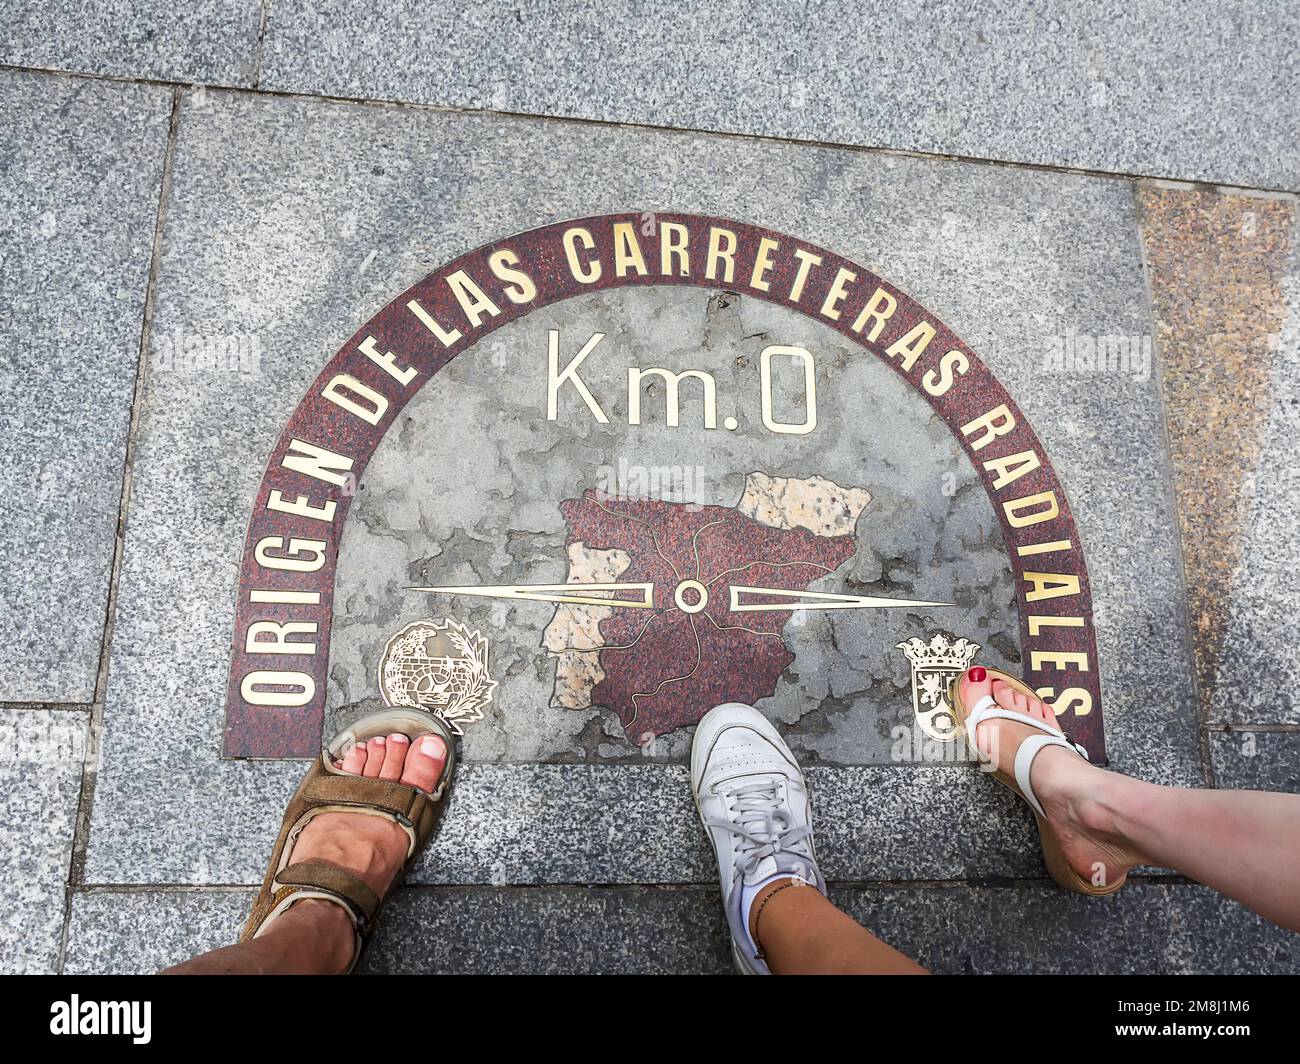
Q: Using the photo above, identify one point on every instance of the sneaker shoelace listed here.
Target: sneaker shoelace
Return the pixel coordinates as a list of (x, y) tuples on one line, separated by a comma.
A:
[(761, 822)]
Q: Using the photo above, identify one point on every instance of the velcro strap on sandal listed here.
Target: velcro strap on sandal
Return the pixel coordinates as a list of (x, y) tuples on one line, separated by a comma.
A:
[(338, 882), (402, 801)]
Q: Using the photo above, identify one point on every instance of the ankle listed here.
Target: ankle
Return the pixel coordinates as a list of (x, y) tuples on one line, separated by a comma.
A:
[(759, 902), (324, 928), (1091, 798), (1106, 808)]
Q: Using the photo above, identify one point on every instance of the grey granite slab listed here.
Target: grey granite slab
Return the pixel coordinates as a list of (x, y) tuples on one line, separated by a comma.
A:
[(208, 42), (291, 221), (41, 757), (138, 932), (1249, 760), (1148, 928), (1153, 87), (628, 824), (537, 824), (81, 167), (1259, 666)]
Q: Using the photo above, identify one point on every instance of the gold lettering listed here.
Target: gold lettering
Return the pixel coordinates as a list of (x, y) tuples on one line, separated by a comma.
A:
[(279, 643), (671, 383), (1050, 586), (997, 422), (251, 688), (301, 506), (387, 362), (519, 286), (1014, 509), (1038, 623), (555, 379), (1011, 467), (1044, 548), (583, 274), (292, 559), (446, 337), (287, 598), (673, 240), (627, 251), (1076, 700), (317, 463), (722, 248), (474, 302), (337, 392), (807, 260), (1062, 659), (836, 294), (763, 264), (879, 309), (805, 358), (910, 347), (951, 366)]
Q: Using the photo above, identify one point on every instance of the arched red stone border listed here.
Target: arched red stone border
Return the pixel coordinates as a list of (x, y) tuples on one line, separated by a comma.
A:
[(282, 618)]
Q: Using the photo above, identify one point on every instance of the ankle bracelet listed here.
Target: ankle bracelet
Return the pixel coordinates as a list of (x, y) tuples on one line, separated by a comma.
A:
[(761, 955)]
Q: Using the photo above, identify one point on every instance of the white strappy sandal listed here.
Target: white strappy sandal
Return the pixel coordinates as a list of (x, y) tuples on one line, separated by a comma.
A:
[(987, 709)]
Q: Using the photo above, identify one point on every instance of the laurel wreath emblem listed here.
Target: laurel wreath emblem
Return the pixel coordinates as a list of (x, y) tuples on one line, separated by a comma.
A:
[(409, 677)]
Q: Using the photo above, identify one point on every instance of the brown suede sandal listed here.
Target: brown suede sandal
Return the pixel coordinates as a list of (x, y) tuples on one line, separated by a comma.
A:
[(326, 789), (1018, 780)]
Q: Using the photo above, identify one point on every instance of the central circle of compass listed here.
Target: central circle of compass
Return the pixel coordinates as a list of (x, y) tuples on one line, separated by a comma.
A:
[(679, 596)]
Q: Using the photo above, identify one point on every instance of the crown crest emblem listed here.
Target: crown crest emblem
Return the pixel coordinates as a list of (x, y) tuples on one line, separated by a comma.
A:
[(934, 664), (939, 653)]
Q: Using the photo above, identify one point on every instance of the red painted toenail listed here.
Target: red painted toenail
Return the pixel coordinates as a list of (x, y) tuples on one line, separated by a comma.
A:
[(977, 674)]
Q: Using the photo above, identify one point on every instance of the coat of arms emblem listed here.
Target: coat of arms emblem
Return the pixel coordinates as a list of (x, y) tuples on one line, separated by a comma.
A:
[(440, 667), (934, 666)]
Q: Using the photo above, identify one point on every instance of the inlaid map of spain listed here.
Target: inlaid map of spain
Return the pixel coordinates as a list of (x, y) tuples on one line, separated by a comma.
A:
[(709, 627)]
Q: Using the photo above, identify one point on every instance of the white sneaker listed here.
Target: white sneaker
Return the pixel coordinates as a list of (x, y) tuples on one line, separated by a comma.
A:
[(754, 805)]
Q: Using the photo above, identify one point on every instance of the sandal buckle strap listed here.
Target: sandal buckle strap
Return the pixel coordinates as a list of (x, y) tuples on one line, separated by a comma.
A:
[(350, 889), (402, 801)]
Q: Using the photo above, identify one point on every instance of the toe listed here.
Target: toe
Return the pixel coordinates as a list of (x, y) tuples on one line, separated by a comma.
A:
[(1005, 695), (425, 762), (975, 684), (1040, 710), (355, 759), (375, 751), (394, 757)]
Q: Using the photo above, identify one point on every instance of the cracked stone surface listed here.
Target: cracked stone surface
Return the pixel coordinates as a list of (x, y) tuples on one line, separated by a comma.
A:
[(468, 492)]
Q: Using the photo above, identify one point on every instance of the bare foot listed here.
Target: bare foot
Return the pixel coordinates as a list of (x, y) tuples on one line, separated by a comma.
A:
[(371, 847), (1072, 791), (314, 936)]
